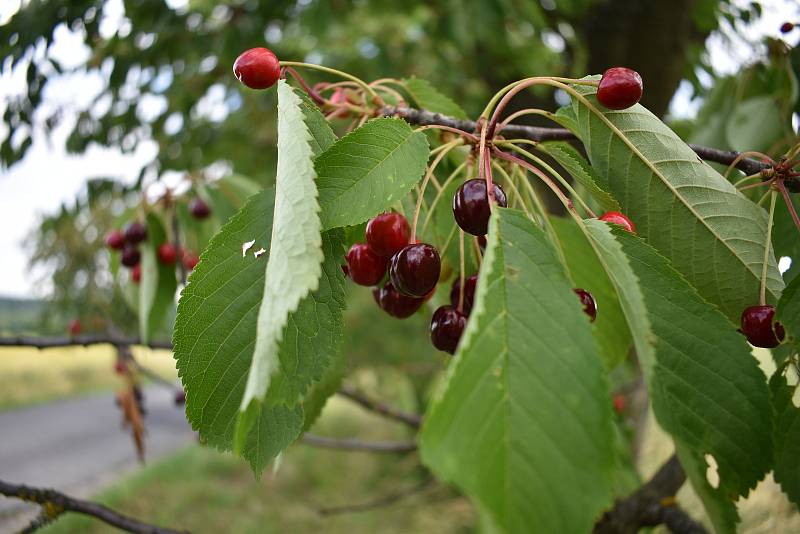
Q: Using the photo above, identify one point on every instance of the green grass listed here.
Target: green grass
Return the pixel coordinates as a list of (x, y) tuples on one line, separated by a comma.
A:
[(203, 490), (31, 376)]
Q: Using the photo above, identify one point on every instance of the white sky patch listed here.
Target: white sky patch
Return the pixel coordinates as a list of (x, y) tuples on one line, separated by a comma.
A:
[(784, 264), (246, 246), (259, 252)]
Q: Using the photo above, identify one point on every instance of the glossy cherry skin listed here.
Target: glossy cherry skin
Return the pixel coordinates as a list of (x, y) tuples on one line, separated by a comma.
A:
[(199, 209), (447, 326), (589, 304), (395, 303), (415, 270), (620, 88), (257, 68), (388, 233), (167, 254), (135, 233), (74, 327), (130, 256), (469, 293), (190, 260), (619, 219), (759, 328), (136, 273), (786, 27), (365, 267), (115, 240), (471, 206)]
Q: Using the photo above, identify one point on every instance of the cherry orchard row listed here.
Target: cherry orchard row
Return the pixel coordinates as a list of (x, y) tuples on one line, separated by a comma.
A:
[(415, 268)]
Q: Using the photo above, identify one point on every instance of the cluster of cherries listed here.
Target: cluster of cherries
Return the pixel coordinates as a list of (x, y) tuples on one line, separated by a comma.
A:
[(128, 239)]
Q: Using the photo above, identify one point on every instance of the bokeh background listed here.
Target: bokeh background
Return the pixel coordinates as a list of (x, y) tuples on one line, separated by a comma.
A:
[(105, 101)]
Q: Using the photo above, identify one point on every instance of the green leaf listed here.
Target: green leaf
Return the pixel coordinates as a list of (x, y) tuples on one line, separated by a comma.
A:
[(787, 436), (582, 172), (755, 124), (706, 388), (216, 328), (610, 328), (318, 396), (788, 311), (429, 98), (524, 414), (295, 260), (158, 283), (685, 209), (368, 170)]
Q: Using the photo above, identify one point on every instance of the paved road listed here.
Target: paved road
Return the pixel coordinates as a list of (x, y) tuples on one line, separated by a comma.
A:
[(77, 445)]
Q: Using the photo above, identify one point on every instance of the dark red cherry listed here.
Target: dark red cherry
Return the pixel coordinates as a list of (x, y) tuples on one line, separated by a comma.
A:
[(257, 68), (619, 219), (167, 254), (190, 260), (395, 303), (388, 233), (364, 266), (130, 256), (482, 243), (415, 269), (469, 293), (619, 88), (786, 27), (180, 398), (447, 326), (471, 205), (199, 209), (136, 273), (135, 233), (589, 304), (759, 328), (74, 327), (620, 403), (115, 240)]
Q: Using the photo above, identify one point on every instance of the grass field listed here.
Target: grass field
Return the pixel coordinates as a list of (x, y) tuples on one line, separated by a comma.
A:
[(31, 376)]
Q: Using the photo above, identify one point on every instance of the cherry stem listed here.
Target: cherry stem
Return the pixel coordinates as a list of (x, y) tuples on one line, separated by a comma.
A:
[(315, 96), (788, 199), (497, 96), (487, 175), (743, 155), (546, 179), (747, 179), (359, 81), (513, 187), (450, 146), (461, 270), (462, 133), (555, 173), (762, 297), (439, 194), (751, 186), (522, 113)]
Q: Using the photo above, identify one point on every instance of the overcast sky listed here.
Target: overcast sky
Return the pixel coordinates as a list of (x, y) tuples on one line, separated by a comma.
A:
[(49, 176)]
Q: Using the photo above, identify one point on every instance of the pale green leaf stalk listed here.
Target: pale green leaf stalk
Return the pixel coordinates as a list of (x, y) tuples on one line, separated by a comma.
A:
[(295, 260)]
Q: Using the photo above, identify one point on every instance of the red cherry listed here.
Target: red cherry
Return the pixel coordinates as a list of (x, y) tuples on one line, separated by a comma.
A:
[(589, 304), (130, 256), (167, 253), (618, 218), (395, 303), (619, 88), (620, 403), (469, 293), (388, 233), (366, 268), (74, 327), (199, 209), (180, 398), (135, 233), (120, 367), (471, 205), (190, 260), (136, 273), (759, 328), (786, 27), (257, 68), (415, 270), (115, 240), (447, 326)]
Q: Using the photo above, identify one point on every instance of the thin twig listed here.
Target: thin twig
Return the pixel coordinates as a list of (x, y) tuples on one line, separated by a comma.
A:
[(55, 503), (347, 444), (385, 500), (538, 133), (77, 341), (411, 419)]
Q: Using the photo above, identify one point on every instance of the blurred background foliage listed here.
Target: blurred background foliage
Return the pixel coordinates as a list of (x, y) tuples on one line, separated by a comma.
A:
[(166, 78)]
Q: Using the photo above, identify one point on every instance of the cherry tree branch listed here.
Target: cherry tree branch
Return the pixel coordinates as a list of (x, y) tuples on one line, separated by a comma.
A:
[(77, 341), (384, 500), (652, 504), (422, 117), (411, 419), (55, 503)]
